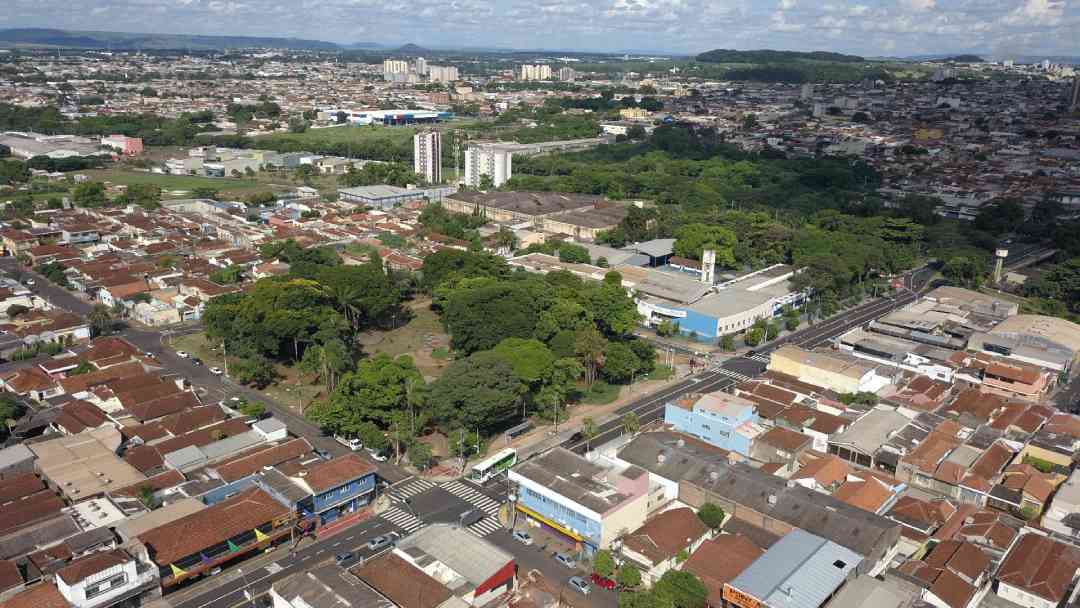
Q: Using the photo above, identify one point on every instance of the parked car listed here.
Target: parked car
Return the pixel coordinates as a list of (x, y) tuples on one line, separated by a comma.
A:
[(341, 558), (580, 584), (30, 282), (196, 361), (323, 454), (217, 371), (378, 455), (565, 560), (602, 581), (522, 537), (182, 354), (381, 542), (353, 443)]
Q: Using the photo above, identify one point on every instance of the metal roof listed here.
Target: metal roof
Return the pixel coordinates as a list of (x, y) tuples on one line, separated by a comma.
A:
[(800, 571)]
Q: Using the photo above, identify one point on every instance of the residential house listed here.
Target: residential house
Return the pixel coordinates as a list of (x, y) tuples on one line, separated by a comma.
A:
[(105, 578), (476, 571), (336, 487), (665, 540), (1038, 571), (720, 419)]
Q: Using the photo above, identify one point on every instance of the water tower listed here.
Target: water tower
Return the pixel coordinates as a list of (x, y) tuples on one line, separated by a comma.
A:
[(999, 263)]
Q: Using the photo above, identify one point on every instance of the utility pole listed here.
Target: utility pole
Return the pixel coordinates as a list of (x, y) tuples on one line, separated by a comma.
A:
[(225, 357)]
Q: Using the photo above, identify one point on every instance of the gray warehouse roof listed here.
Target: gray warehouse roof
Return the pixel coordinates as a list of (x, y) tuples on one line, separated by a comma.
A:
[(800, 571), (473, 558)]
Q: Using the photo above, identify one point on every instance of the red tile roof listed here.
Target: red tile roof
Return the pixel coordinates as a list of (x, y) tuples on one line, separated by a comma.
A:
[(92, 564), (664, 535), (44, 595), (1040, 566), (213, 525), (332, 473)]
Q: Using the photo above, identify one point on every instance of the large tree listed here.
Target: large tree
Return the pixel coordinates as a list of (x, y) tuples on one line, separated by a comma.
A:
[(478, 319), (478, 392), (374, 393)]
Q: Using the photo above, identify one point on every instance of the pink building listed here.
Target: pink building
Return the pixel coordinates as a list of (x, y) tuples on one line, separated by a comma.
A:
[(128, 146)]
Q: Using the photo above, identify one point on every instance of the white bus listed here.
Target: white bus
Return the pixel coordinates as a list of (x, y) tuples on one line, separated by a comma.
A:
[(493, 465)]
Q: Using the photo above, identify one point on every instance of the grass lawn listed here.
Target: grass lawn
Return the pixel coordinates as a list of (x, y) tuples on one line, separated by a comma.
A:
[(601, 393), (174, 182), (418, 338)]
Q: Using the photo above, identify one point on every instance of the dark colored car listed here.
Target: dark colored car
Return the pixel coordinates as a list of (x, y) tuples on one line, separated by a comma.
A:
[(471, 516)]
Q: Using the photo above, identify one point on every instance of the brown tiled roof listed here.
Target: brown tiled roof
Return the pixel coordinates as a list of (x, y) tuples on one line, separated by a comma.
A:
[(664, 535), (953, 590), (82, 382), (977, 403), (961, 557), (992, 461), (720, 560), (826, 471), (332, 473), (91, 565), (9, 575), (20, 486), (148, 457), (246, 465), (1040, 566), (111, 350), (927, 514), (191, 419), (45, 595), (785, 439), (213, 525), (78, 415), (30, 509), (402, 583), (1066, 424), (28, 379), (868, 495)]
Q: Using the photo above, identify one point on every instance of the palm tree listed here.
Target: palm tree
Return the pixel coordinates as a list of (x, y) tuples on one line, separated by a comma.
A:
[(589, 430)]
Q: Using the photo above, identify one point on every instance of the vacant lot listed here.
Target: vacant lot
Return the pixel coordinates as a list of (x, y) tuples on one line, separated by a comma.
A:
[(175, 183)]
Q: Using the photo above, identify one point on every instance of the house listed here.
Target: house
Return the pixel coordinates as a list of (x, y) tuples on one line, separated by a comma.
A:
[(861, 442), (586, 501), (404, 584), (954, 574), (657, 545), (720, 419), (802, 570), (476, 571), (919, 517), (781, 446), (1063, 516), (719, 561), (336, 487), (104, 579), (228, 530), (1038, 571), (779, 506)]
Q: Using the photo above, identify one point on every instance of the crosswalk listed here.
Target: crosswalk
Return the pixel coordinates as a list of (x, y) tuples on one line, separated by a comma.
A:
[(759, 358), (402, 519), (411, 487), (470, 494), (485, 526), (731, 374)]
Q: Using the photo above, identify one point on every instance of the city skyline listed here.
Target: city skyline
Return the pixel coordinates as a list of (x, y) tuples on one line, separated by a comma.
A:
[(868, 27)]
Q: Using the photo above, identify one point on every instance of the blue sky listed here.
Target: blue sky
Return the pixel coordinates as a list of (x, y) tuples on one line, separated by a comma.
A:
[(868, 27)]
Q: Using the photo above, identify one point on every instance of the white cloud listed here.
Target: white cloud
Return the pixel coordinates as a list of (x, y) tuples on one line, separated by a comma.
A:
[(919, 5), (1037, 12), (787, 5)]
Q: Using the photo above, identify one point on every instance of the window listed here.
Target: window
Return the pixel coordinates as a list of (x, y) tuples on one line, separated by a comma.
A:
[(106, 585)]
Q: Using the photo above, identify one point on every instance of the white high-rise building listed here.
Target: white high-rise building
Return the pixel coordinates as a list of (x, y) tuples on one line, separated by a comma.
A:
[(535, 72), (492, 160), (421, 66), (442, 73), (395, 70), (427, 155)]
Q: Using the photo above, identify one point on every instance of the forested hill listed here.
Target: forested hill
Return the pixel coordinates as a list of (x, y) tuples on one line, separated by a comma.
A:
[(774, 57), (128, 40)]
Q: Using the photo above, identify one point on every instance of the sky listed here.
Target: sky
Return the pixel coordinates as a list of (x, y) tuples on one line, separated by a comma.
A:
[(997, 28)]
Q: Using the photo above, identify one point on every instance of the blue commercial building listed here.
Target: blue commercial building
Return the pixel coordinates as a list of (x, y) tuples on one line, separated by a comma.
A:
[(719, 419), (336, 487)]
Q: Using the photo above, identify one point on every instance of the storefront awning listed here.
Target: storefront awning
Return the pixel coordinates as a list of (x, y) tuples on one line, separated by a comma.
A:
[(557, 526)]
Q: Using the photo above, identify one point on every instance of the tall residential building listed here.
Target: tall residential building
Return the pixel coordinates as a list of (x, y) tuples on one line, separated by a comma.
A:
[(1074, 99), (442, 73), (567, 74), (535, 72), (395, 69), (421, 66), (427, 155), (493, 160), (807, 92)]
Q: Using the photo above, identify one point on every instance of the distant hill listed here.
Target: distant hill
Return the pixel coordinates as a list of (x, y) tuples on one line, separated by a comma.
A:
[(138, 41), (411, 49), (774, 57), (964, 59), (364, 45)]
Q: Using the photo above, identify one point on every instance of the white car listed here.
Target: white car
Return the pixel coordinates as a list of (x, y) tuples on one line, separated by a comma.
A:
[(377, 455), (217, 371), (523, 537), (182, 354), (30, 282)]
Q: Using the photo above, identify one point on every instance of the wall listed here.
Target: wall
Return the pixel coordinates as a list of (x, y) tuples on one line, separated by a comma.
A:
[(1022, 598), (713, 429)]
